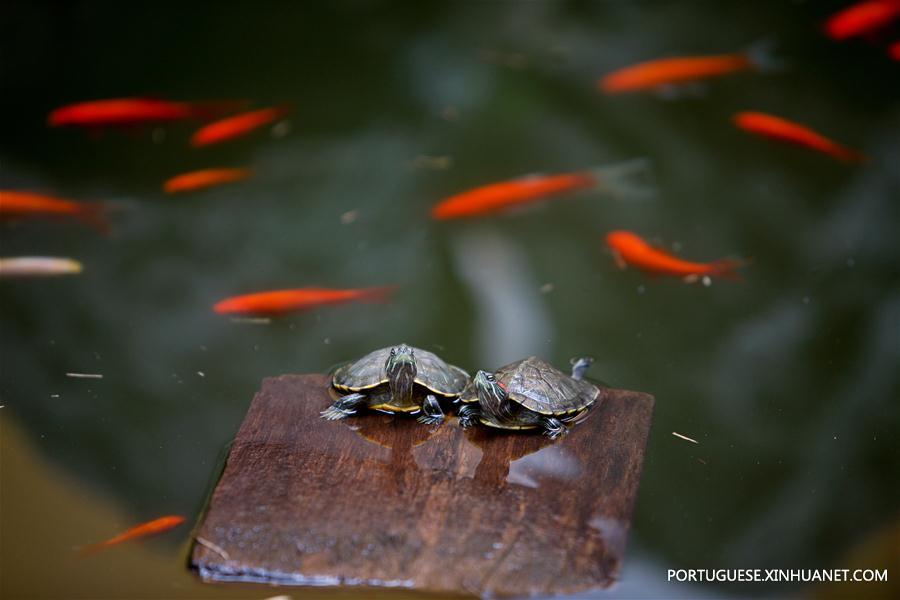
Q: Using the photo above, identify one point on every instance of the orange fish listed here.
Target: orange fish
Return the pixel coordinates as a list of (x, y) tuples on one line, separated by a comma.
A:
[(862, 18), (132, 111), (154, 527), (656, 74), (894, 51), (629, 249), (496, 197), (16, 204), (198, 180), (237, 126), (776, 128), (280, 302)]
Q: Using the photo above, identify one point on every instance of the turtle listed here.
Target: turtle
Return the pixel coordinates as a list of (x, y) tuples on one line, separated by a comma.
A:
[(398, 379), (529, 394)]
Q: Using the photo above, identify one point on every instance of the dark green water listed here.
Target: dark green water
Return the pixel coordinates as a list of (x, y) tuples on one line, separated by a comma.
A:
[(787, 379)]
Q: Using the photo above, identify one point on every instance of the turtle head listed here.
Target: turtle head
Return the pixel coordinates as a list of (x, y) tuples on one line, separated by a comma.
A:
[(400, 368), (491, 393)]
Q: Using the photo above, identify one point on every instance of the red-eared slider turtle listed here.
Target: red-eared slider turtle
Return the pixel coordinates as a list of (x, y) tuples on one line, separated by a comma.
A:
[(529, 394), (401, 379)]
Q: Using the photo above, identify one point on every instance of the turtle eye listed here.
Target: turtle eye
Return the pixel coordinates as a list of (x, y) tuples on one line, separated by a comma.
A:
[(490, 378), (393, 352)]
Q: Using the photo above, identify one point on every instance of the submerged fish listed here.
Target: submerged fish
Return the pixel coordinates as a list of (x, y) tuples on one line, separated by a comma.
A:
[(132, 111), (862, 18), (279, 302), (782, 130), (656, 74), (894, 50), (154, 527), (20, 205), (629, 249), (237, 125), (198, 180), (38, 266), (503, 195)]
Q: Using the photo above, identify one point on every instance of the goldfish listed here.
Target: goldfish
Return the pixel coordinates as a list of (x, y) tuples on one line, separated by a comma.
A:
[(280, 302), (777, 128), (236, 126), (18, 204), (132, 111), (198, 180), (38, 266), (629, 249), (503, 195), (154, 527), (862, 18), (657, 74), (894, 51)]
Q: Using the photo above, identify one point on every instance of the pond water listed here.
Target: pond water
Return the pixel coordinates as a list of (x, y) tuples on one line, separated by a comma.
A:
[(787, 379)]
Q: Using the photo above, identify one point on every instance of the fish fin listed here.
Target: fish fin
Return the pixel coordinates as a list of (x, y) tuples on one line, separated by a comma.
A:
[(214, 109), (379, 294), (727, 268), (628, 180), (620, 262), (849, 155), (762, 57)]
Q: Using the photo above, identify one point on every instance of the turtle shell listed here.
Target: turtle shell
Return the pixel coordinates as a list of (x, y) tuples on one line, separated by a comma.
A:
[(431, 372), (539, 386)]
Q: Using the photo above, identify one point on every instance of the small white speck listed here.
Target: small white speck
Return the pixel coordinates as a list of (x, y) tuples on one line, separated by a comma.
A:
[(641, 289), (349, 217), (805, 299), (281, 129), (54, 395), (85, 375), (201, 373), (326, 341), (547, 288), (684, 437)]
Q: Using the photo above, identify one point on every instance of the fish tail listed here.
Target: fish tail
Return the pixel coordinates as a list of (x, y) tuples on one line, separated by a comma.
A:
[(378, 294), (95, 215), (628, 180), (727, 268), (849, 155), (762, 56)]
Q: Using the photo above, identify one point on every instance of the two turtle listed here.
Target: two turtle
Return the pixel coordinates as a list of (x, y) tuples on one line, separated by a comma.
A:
[(527, 394)]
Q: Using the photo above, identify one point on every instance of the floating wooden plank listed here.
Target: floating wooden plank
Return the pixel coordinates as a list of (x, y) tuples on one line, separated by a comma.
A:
[(378, 500)]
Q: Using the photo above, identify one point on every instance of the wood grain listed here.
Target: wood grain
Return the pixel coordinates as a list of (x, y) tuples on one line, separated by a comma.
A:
[(378, 500)]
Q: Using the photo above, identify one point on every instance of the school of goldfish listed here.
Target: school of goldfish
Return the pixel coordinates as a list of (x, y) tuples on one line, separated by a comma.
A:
[(226, 121)]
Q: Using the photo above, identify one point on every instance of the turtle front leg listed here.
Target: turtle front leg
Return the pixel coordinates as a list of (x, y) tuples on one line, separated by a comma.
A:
[(580, 365), (343, 407), (554, 428), (431, 412), (468, 415)]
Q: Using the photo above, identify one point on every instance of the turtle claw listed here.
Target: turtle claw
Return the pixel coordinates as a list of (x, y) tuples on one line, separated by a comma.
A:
[(430, 419), (554, 429), (468, 416), (334, 413)]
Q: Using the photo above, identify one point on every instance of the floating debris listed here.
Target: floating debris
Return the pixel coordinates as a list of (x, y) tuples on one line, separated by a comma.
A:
[(217, 549), (252, 320), (349, 217), (38, 266), (435, 163), (684, 437), (85, 375), (547, 288)]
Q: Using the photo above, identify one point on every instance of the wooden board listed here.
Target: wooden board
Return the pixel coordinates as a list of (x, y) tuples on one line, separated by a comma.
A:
[(379, 500)]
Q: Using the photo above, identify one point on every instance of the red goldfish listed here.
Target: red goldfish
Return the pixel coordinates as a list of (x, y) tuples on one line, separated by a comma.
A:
[(198, 180), (154, 527), (16, 204), (496, 197), (655, 74), (236, 126), (38, 266), (776, 128), (131, 111), (894, 51), (280, 302), (862, 18), (629, 249)]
